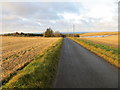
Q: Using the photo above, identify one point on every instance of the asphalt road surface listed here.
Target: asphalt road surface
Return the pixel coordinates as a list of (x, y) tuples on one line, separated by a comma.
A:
[(79, 68)]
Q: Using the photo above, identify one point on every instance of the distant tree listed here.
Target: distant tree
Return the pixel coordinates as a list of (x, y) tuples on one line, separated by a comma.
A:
[(57, 34), (15, 34), (63, 35), (40, 34), (71, 35), (27, 34), (22, 33), (76, 35), (49, 32)]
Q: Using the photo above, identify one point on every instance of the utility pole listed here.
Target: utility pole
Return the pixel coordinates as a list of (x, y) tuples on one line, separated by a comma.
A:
[(68, 31), (44, 34), (73, 29)]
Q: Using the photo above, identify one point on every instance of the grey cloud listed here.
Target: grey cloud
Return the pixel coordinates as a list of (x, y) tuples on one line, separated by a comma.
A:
[(42, 10), (47, 14)]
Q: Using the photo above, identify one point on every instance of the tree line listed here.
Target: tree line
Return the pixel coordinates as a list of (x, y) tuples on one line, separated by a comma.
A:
[(22, 34), (48, 33)]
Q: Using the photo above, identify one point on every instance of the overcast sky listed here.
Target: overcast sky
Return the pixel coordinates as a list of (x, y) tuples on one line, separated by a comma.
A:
[(87, 15)]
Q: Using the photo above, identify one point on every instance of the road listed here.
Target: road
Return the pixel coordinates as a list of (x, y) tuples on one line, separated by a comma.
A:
[(79, 68)]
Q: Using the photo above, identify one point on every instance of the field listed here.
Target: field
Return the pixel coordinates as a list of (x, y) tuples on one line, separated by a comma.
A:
[(19, 51), (109, 40), (31, 62), (39, 73), (99, 33)]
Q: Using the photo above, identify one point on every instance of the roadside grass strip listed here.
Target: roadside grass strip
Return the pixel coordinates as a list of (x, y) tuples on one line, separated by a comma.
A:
[(108, 53), (40, 73)]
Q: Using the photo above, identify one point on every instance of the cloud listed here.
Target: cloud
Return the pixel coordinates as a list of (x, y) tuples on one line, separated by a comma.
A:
[(37, 16), (40, 10)]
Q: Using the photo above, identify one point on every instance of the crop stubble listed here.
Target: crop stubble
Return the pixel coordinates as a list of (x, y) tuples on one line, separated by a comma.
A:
[(109, 41), (17, 51)]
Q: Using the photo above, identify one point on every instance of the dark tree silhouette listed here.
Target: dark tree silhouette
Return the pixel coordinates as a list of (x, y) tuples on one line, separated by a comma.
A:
[(49, 32)]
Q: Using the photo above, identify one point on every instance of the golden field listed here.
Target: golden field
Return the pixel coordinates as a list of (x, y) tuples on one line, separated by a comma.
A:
[(109, 40), (99, 33), (17, 51)]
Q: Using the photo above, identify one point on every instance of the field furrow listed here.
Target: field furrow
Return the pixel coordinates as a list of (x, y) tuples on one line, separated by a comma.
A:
[(17, 51)]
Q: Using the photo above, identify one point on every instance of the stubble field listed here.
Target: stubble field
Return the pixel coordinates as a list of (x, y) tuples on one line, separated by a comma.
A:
[(109, 40), (18, 51), (99, 33)]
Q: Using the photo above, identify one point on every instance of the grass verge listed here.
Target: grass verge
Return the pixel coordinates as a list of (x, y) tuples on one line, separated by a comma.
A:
[(40, 72), (108, 53)]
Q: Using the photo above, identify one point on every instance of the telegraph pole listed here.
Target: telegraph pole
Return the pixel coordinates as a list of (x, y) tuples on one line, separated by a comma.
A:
[(73, 29), (68, 31), (44, 34)]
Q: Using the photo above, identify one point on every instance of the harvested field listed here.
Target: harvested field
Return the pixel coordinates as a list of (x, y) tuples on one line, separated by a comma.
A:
[(109, 41), (17, 51), (99, 33)]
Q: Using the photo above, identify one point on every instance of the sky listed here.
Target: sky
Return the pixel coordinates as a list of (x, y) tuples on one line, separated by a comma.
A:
[(35, 17)]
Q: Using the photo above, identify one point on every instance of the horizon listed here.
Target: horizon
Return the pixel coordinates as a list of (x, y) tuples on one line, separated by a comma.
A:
[(60, 32)]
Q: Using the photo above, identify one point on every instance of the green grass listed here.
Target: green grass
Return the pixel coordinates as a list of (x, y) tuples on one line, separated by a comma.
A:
[(107, 48), (40, 73)]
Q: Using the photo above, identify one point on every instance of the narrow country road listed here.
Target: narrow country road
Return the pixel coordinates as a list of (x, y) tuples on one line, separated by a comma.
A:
[(79, 68)]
